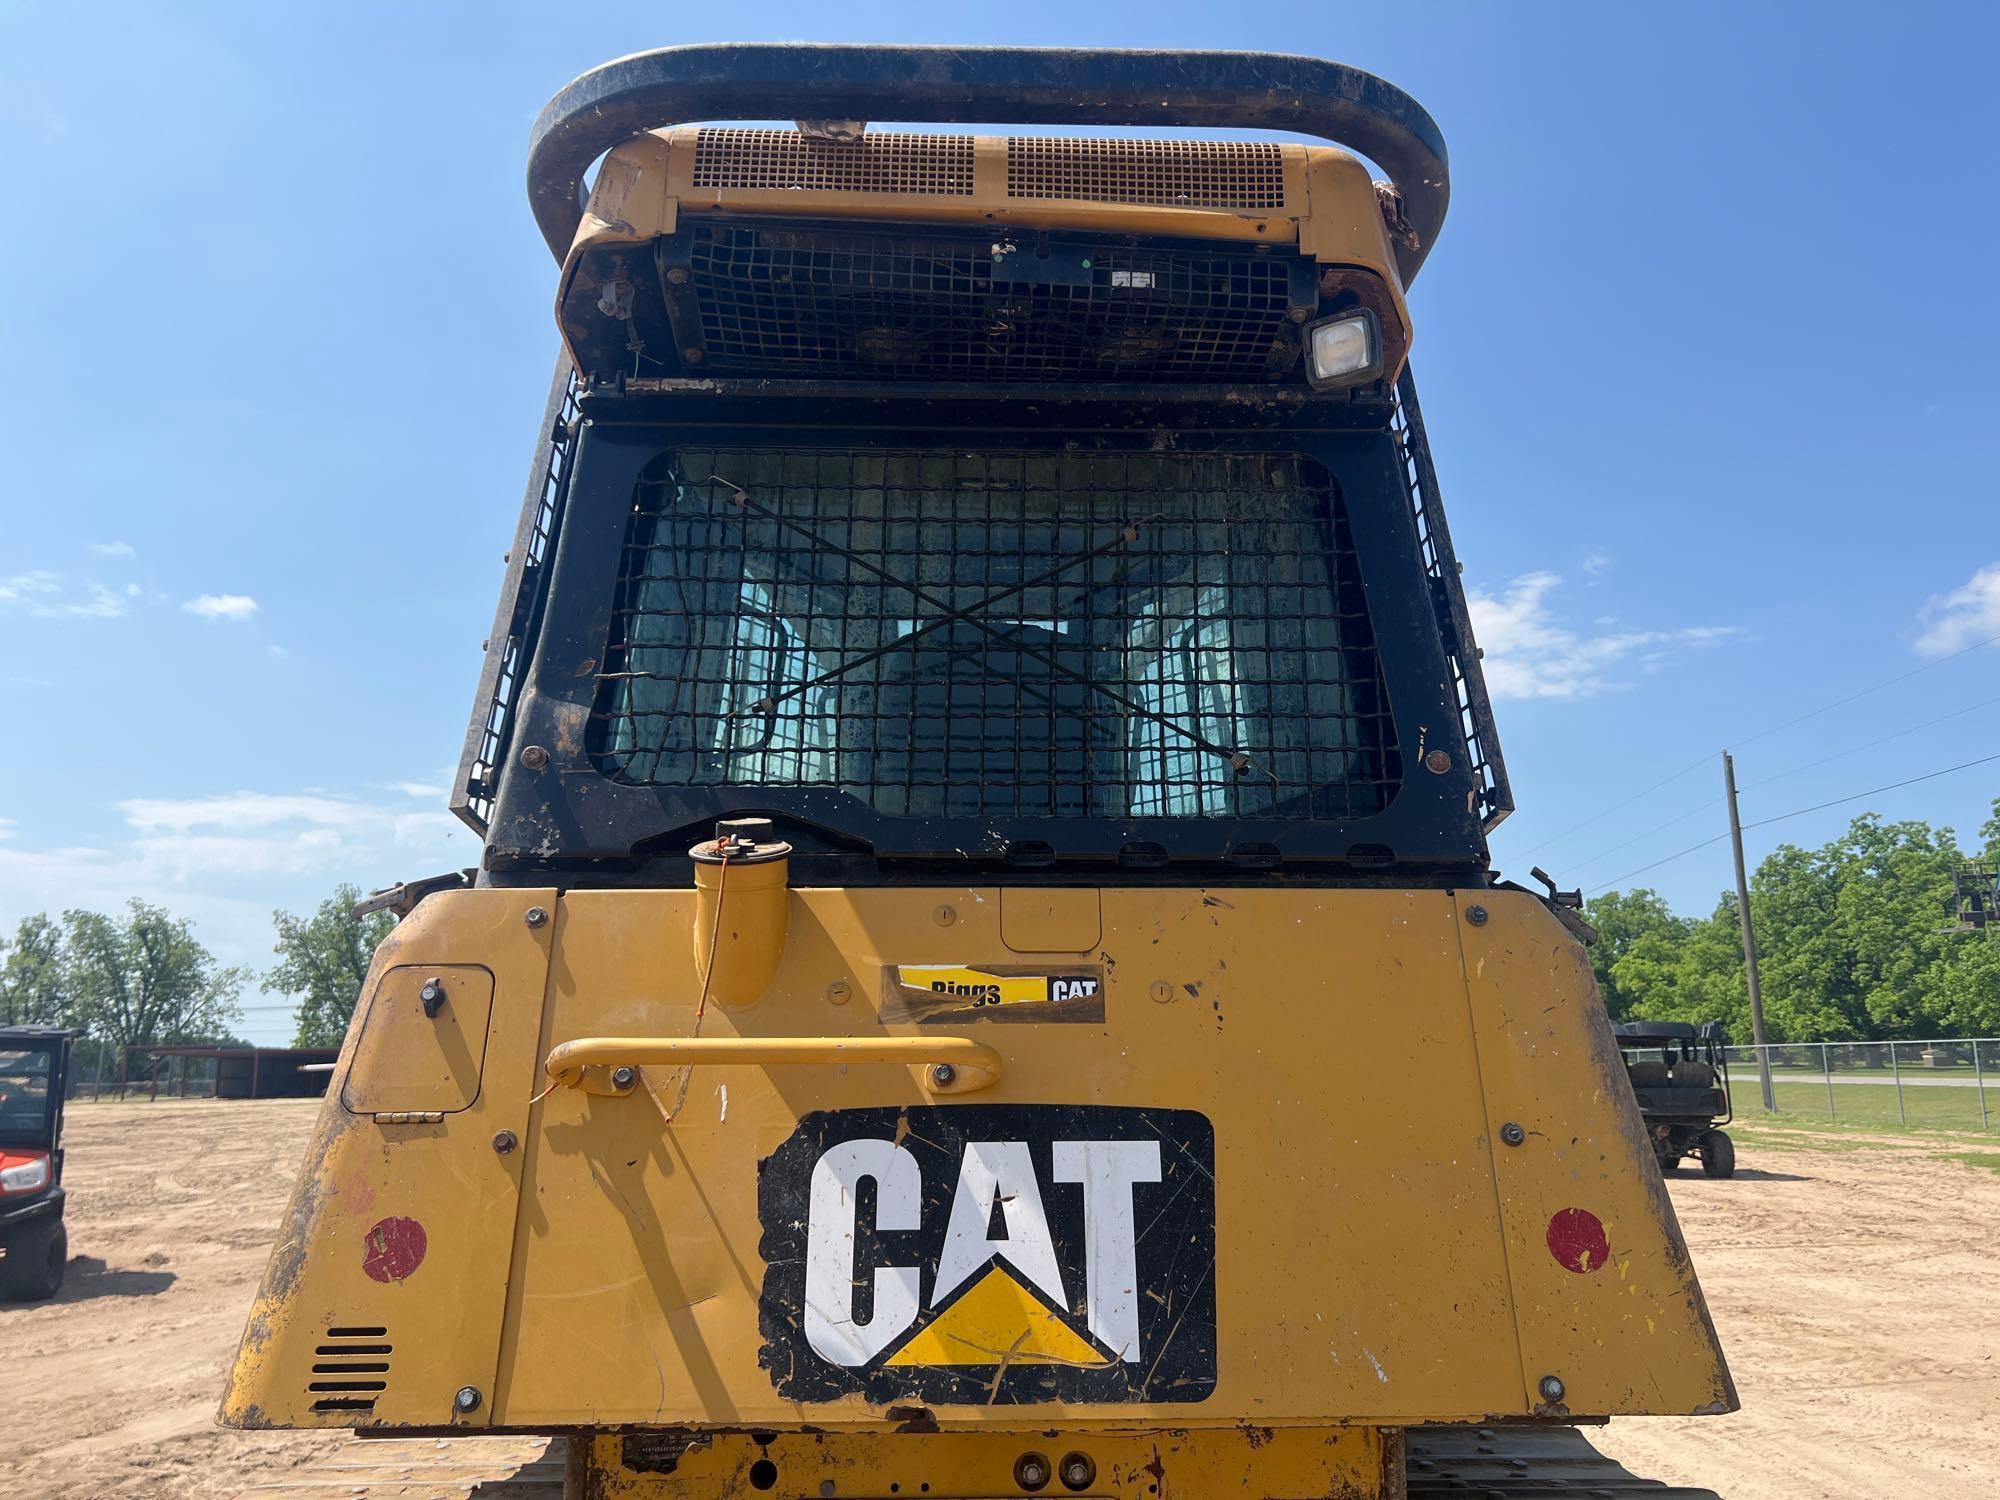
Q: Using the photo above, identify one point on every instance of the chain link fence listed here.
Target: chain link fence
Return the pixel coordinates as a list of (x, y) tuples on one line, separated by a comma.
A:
[(1946, 1083)]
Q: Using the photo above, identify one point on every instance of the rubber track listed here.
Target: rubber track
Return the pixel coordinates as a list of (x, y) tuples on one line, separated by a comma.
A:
[(1524, 1463)]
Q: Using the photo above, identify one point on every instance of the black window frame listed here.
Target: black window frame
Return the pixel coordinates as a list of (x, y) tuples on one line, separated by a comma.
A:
[(555, 811)]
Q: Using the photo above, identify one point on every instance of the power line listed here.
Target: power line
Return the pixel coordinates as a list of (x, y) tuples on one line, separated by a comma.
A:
[(1759, 735), (1637, 837), (1600, 817), (1797, 812), (1857, 749), (1780, 776), (1853, 697), (1837, 801)]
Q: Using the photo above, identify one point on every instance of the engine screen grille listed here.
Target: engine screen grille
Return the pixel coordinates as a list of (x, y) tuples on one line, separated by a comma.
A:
[(926, 165), (1174, 174), (1026, 635), (827, 303)]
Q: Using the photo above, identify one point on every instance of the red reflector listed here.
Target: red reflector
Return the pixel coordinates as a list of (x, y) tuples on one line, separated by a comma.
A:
[(1577, 1240)]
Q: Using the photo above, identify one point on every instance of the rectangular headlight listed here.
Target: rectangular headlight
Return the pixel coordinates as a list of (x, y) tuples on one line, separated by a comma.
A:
[(1344, 351), (19, 1176)]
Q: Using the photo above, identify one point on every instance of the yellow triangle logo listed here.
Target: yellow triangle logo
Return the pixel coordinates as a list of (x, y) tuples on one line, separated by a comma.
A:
[(997, 1321)]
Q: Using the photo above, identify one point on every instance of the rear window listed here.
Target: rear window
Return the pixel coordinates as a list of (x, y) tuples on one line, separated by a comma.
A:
[(1042, 634), (24, 1092)]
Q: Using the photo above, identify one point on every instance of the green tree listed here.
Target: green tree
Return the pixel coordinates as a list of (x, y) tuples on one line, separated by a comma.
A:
[(1636, 925), (33, 985), (1854, 940), (144, 980), (324, 959)]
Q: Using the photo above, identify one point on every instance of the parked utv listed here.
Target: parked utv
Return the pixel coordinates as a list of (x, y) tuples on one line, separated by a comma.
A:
[(34, 1246), (1681, 1080)]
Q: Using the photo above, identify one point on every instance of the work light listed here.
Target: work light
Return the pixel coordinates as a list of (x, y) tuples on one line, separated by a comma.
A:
[(1344, 351)]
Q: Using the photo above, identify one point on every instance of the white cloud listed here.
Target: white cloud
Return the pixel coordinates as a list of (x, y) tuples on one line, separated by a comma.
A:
[(237, 607), (1964, 617), (226, 860), (49, 596), (112, 549), (420, 788), (7, 827), (1531, 653), (1598, 562)]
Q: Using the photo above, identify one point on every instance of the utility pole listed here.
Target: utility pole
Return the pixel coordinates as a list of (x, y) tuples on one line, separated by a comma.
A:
[(1749, 938)]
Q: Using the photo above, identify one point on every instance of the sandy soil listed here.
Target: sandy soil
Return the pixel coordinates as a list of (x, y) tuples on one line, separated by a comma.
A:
[(1857, 1290), (1856, 1283)]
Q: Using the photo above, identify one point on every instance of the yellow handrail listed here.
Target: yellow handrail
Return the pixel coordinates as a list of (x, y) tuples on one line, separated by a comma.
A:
[(972, 1065)]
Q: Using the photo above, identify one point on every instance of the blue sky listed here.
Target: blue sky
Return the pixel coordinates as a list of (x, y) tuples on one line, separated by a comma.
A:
[(1706, 349)]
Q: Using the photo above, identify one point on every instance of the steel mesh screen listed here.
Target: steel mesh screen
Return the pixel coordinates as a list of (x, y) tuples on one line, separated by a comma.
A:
[(1023, 635), (1180, 174), (789, 160), (826, 303)]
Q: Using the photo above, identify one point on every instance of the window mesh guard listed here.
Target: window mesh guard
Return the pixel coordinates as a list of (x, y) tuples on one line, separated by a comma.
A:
[(804, 302), (1027, 635)]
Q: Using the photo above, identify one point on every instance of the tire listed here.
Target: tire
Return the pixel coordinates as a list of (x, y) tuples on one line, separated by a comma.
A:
[(1668, 1168), (1718, 1154), (36, 1260)]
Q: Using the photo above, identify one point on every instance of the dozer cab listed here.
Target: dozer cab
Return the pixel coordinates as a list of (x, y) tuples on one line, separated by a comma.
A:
[(985, 976)]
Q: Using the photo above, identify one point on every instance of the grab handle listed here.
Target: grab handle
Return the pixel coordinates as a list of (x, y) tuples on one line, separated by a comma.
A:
[(993, 85), (951, 1064)]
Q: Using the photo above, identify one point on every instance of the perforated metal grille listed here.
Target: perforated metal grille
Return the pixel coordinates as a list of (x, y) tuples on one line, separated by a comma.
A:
[(1475, 708), (1176, 174), (493, 711), (924, 165), (1026, 635), (826, 303)]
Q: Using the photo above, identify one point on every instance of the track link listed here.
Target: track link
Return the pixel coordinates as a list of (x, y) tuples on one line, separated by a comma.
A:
[(1524, 1463)]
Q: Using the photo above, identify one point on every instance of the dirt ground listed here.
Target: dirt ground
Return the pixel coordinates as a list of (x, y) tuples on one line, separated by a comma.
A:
[(1856, 1282)]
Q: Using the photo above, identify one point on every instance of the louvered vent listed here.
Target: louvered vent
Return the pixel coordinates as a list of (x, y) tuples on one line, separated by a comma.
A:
[(350, 1369), (1171, 174), (923, 165)]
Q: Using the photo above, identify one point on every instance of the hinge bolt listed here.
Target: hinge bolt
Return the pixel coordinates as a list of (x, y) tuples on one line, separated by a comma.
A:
[(943, 1075), (535, 916), (1476, 915), (467, 1399), (1031, 1471)]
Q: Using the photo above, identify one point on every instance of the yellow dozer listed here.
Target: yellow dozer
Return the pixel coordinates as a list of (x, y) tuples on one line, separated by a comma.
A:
[(985, 977)]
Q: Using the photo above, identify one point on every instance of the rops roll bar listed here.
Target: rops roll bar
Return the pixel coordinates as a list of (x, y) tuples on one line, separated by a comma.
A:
[(986, 85)]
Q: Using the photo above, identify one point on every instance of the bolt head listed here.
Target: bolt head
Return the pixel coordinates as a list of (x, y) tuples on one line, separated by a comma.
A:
[(1476, 915), (1551, 1388), (1031, 1471), (1077, 1471), (505, 1141), (467, 1399), (534, 757), (1512, 1133), (1437, 762), (624, 1078), (943, 1075), (535, 916)]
